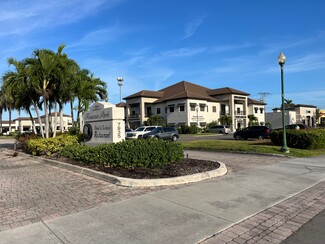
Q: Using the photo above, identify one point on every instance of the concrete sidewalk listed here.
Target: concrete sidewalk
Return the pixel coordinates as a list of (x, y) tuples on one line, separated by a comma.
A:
[(186, 214)]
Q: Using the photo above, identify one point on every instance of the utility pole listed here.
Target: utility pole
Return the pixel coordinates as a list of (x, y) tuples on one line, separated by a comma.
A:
[(263, 96)]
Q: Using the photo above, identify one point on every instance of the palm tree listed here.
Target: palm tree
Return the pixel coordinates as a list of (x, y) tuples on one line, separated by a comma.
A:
[(67, 69), (16, 83), (288, 103), (88, 89), (42, 69), (252, 119), (225, 120)]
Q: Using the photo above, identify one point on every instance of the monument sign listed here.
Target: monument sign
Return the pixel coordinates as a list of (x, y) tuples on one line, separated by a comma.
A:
[(104, 123)]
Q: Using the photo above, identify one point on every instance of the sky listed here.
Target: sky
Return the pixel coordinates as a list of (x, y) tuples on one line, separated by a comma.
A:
[(153, 44)]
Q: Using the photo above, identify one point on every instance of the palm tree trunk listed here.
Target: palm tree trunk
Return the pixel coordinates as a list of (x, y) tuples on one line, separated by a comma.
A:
[(61, 120), (55, 119), (80, 122), (19, 123), (39, 119), (46, 118), (33, 121), (1, 122), (9, 120), (71, 109)]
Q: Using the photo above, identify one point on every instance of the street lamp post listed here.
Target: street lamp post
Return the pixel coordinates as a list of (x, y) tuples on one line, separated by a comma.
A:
[(197, 118), (281, 61), (120, 83)]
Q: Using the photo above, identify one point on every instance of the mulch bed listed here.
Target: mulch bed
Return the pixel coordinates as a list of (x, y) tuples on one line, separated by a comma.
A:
[(186, 166)]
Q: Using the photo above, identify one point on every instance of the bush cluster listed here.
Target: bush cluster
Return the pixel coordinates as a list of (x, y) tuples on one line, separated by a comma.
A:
[(185, 129), (302, 139), (127, 154), (41, 146)]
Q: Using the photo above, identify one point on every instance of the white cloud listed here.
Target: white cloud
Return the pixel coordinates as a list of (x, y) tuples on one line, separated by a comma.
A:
[(183, 52), (307, 63), (192, 26), (21, 17), (102, 36)]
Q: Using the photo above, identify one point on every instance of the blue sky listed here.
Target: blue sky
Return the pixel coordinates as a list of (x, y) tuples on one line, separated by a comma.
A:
[(156, 43)]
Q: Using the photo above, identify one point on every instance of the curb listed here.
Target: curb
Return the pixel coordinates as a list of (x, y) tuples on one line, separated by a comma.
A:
[(243, 152), (129, 182)]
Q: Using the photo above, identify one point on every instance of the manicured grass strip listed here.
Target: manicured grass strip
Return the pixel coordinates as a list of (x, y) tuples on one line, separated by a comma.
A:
[(264, 146)]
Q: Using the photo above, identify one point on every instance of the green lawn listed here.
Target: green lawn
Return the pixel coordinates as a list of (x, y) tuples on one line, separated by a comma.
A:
[(264, 146)]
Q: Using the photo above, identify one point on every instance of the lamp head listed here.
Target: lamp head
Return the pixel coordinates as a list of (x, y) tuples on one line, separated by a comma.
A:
[(120, 81), (282, 59)]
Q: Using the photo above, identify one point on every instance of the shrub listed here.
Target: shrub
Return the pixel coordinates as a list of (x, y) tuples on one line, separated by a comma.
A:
[(24, 138), (303, 139), (127, 154), (184, 129), (75, 131), (42, 146)]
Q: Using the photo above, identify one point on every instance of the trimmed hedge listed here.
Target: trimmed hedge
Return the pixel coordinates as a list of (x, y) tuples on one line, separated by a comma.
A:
[(128, 154), (302, 139), (41, 146)]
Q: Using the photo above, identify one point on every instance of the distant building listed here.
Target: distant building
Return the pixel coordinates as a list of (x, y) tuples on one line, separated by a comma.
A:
[(321, 119), (24, 124), (185, 103), (297, 114)]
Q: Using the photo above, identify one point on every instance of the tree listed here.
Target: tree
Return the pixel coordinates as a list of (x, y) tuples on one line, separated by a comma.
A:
[(156, 120), (87, 89), (48, 79), (288, 103), (252, 120), (225, 120)]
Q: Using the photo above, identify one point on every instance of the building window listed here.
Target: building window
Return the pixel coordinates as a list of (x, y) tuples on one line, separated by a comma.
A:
[(182, 108), (158, 110), (214, 109), (192, 108), (149, 112), (165, 110), (171, 109), (261, 109), (202, 108), (256, 110)]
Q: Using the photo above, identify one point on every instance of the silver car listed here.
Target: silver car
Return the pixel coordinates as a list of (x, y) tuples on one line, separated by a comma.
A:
[(221, 129)]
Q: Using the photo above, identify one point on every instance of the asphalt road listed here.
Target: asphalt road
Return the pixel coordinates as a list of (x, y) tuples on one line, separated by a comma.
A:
[(312, 232), (187, 137)]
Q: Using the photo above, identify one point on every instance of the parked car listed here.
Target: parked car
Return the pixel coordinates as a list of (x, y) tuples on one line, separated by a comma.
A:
[(296, 127), (221, 129), (139, 132), (166, 133), (128, 130), (259, 132)]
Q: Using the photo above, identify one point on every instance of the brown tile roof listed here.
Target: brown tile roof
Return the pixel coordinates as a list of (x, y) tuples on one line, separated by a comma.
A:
[(22, 118), (185, 89), (226, 90), (253, 101), (57, 114), (121, 105), (146, 93)]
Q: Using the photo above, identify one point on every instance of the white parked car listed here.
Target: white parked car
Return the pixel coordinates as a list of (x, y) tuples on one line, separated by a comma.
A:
[(139, 132)]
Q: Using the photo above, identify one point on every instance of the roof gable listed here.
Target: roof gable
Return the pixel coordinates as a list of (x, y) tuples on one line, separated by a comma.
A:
[(146, 93), (226, 90)]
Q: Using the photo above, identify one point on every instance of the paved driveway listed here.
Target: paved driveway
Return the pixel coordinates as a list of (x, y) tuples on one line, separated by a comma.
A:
[(33, 192)]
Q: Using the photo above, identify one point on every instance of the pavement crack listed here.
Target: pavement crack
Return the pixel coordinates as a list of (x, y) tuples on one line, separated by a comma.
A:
[(309, 170), (62, 242)]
